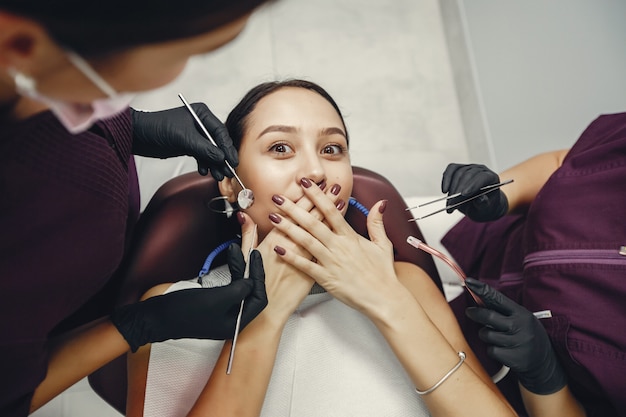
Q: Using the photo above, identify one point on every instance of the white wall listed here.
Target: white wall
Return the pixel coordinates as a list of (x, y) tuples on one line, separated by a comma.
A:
[(543, 71), (386, 64)]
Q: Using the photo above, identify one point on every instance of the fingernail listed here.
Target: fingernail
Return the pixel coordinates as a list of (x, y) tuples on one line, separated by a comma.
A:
[(275, 218), (241, 218), (322, 185), (279, 250), (382, 207), (306, 183), (335, 189), (278, 199), (340, 204)]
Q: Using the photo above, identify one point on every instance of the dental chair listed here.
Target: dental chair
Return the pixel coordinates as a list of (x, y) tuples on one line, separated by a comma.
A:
[(177, 231)]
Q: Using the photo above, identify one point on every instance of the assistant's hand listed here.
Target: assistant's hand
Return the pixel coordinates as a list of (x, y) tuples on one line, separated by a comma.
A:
[(517, 340), (203, 313), (468, 180), (174, 132)]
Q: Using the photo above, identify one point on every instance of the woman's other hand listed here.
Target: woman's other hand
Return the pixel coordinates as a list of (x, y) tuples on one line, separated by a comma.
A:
[(286, 285), (357, 271)]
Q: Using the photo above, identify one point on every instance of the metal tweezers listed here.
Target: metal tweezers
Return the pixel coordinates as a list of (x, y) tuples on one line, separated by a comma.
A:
[(485, 190), (246, 275)]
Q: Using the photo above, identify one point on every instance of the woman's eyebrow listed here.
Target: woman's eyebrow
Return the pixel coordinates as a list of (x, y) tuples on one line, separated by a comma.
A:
[(278, 128), (327, 131)]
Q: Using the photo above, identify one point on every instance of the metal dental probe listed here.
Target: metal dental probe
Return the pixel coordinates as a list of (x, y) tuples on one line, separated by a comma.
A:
[(246, 275), (246, 196)]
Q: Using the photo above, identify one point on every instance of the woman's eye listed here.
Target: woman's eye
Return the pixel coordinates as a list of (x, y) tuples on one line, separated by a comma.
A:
[(281, 148), (333, 149)]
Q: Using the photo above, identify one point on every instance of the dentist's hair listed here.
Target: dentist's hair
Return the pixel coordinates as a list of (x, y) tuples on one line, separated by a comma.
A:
[(98, 28), (238, 117)]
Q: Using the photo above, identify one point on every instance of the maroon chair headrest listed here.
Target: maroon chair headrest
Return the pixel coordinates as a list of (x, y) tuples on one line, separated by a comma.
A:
[(177, 231)]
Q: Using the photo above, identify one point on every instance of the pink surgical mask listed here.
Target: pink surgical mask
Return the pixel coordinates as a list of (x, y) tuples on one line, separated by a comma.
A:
[(77, 117)]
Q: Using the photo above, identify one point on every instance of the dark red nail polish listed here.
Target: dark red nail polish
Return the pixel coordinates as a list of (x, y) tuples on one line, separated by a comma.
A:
[(382, 207), (278, 199), (340, 204), (279, 250), (322, 185), (306, 183), (275, 218), (335, 189), (241, 218)]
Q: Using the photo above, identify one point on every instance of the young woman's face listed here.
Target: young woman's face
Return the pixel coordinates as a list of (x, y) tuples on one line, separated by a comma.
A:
[(292, 133)]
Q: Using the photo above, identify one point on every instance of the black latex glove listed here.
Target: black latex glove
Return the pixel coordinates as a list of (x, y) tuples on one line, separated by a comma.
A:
[(517, 340), (202, 313), (468, 180), (174, 132)]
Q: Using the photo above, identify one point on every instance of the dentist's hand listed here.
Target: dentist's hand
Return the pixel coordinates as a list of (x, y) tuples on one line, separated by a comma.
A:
[(517, 340), (468, 180), (202, 313), (174, 132)]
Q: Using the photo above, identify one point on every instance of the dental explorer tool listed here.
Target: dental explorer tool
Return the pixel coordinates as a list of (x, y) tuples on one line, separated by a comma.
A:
[(245, 198), (487, 189), (246, 275)]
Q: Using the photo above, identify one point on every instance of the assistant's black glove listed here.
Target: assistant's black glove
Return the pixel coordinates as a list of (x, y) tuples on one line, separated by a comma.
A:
[(468, 180), (517, 340), (200, 313), (174, 132)]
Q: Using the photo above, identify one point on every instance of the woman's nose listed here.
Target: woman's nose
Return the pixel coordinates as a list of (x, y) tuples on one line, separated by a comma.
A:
[(314, 170)]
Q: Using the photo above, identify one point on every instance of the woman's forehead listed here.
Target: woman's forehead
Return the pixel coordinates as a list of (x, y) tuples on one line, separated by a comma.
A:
[(293, 105)]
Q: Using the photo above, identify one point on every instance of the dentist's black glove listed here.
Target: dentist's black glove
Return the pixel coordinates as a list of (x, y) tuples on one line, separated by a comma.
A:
[(199, 313), (468, 180), (517, 340), (174, 132)]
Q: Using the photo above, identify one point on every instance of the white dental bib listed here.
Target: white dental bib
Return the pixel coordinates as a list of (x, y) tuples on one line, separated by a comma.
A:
[(331, 361)]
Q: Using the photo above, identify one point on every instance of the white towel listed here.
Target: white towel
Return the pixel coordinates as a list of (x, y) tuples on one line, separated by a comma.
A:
[(331, 361)]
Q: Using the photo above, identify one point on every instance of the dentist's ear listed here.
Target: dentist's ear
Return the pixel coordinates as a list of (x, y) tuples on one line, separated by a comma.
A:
[(21, 42), (227, 189)]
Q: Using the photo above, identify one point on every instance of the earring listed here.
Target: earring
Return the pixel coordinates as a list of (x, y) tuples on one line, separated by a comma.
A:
[(229, 208)]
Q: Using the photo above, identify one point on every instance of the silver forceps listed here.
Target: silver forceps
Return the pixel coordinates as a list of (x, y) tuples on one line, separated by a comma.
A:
[(246, 196), (485, 190), (246, 275)]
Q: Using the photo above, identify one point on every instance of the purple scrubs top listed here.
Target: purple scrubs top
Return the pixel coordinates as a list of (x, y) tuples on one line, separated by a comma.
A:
[(67, 204), (566, 255)]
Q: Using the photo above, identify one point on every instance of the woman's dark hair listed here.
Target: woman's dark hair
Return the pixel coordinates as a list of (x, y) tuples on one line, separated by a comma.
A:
[(94, 28), (238, 117)]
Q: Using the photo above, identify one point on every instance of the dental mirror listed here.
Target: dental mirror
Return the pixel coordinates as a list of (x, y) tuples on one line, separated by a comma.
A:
[(245, 198)]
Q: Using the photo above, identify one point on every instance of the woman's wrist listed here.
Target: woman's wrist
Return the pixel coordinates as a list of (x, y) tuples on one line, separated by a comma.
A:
[(392, 303)]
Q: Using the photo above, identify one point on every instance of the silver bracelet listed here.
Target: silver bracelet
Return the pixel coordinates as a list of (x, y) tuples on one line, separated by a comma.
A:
[(446, 376)]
